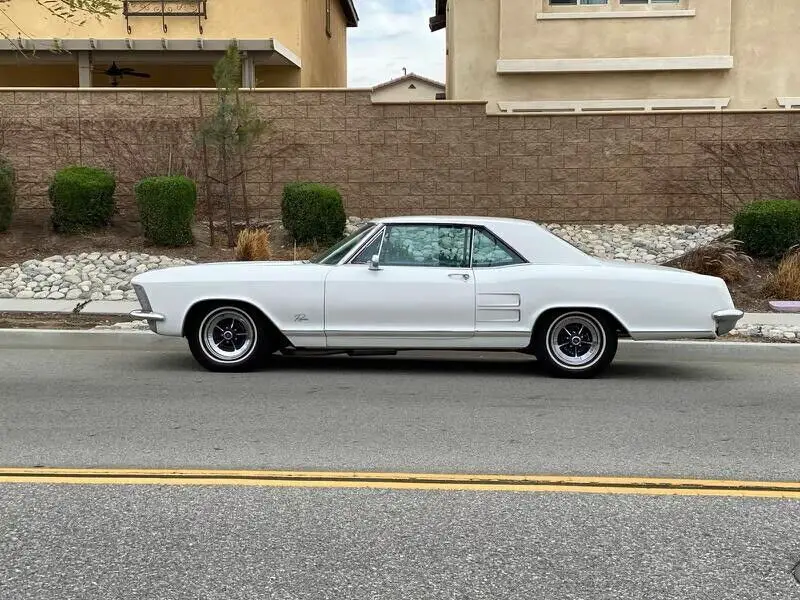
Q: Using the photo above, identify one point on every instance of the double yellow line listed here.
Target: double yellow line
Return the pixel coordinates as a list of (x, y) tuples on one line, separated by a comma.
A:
[(404, 481)]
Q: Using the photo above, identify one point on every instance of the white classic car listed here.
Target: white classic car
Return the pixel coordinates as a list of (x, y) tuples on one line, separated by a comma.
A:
[(444, 283)]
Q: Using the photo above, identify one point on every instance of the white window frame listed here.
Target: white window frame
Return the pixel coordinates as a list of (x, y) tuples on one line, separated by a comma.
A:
[(615, 9), (641, 105)]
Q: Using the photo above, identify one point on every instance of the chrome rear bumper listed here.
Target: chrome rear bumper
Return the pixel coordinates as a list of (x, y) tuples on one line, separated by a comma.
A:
[(726, 320)]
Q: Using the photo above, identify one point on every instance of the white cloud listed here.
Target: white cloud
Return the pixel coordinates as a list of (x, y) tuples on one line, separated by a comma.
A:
[(393, 34)]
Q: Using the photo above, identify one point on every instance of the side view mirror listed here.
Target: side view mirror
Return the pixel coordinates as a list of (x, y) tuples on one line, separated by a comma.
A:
[(374, 263)]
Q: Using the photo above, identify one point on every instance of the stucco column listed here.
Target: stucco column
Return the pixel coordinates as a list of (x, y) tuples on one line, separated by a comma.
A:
[(84, 69), (248, 71)]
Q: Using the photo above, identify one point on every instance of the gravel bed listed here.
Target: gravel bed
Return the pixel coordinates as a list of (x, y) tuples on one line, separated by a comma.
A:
[(773, 333), (106, 276), (653, 244), (86, 276)]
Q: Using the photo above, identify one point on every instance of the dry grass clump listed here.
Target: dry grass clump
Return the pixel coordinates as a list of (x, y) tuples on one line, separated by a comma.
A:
[(253, 244), (304, 253), (722, 259), (784, 283)]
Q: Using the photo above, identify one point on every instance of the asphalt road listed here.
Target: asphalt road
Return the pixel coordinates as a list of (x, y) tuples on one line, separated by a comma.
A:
[(700, 411), (170, 543), (663, 412)]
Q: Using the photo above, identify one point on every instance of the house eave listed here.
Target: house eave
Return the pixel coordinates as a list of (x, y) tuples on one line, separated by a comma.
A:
[(157, 47), (350, 13), (439, 20)]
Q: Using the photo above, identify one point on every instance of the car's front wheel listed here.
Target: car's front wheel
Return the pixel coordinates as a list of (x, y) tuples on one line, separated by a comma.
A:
[(575, 343), (227, 337)]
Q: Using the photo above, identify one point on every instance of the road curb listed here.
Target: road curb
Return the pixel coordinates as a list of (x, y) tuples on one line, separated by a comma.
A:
[(64, 339), (105, 339), (687, 349)]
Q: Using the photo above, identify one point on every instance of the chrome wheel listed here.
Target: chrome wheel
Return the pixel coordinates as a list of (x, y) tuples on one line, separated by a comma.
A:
[(228, 335), (576, 340)]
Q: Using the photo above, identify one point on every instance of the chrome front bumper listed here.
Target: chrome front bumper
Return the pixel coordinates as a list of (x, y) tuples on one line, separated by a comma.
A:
[(151, 317), (726, 320)]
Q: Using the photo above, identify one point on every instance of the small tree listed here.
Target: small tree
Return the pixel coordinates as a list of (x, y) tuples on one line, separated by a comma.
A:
[(737, 173), (231, 131)]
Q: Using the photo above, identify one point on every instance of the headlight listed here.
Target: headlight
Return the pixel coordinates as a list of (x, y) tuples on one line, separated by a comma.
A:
[(142, 297)]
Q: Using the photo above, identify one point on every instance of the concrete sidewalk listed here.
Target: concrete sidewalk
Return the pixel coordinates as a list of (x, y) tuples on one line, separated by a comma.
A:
[(121, 307), (786, 319)]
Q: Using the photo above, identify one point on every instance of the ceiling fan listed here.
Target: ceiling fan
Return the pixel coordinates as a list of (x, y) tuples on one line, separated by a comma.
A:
[(116, 73)]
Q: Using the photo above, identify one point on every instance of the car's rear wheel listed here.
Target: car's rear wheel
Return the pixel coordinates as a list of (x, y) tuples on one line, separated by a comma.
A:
[(227, 337), (575, 343)]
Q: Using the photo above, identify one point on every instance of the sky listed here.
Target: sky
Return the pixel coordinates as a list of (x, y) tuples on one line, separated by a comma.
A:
[(393, 34)]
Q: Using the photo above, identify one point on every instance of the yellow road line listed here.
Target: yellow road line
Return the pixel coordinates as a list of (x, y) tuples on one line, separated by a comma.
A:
[(404, 481)]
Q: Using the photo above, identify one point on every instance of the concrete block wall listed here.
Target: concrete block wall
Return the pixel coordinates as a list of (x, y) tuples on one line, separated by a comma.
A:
[(388, 159)]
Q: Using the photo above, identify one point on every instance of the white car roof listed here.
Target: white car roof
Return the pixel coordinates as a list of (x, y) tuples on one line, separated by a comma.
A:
[(535, 243), (477, 220)]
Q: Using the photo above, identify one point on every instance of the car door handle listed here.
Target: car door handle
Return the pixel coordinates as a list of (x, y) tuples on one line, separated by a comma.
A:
[(464, 276)]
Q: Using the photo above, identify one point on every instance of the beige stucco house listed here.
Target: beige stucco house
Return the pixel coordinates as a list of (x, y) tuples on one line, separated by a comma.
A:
[(582, 55), (301, 43), (408, 88)]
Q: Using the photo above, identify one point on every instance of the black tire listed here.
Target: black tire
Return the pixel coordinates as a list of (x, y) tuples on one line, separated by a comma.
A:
[(228, 337), (564, 343)]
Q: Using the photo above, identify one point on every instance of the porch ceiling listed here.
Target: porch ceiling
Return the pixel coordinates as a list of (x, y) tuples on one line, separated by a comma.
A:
[(199, 50)]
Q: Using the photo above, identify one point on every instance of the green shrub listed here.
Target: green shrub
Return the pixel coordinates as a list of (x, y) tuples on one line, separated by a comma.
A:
[(166, 209), (82, 198), (7, 194), (768, 227), (312, 212)]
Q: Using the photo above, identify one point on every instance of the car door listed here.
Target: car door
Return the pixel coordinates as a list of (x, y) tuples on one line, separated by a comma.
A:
[(421, 295), (502, 278)]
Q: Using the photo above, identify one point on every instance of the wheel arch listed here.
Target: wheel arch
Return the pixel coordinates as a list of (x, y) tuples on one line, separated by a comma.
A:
[(546, 313), (199, 306)]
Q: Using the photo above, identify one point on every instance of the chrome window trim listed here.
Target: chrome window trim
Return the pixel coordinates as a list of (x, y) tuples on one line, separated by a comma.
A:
[(348, 259), (382, 228), (465, 226), (358, 248)]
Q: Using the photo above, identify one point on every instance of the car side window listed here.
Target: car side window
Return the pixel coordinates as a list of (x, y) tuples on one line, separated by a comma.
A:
[(489, 251), (368, 251), (426, 246)]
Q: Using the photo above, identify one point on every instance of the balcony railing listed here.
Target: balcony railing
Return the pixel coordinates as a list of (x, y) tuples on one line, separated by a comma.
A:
[(166, 9)]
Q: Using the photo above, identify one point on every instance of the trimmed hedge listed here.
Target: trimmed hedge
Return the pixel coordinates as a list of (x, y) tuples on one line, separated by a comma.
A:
[(312, 212), (82, 198), (769, 227), (166, 209), (8, 194)]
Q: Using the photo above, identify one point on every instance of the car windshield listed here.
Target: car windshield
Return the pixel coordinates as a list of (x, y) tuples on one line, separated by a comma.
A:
[(335, 253)]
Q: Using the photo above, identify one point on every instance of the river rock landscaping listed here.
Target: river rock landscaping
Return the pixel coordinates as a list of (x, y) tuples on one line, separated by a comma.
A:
[(772, 333), (107, 275), (86, 276)]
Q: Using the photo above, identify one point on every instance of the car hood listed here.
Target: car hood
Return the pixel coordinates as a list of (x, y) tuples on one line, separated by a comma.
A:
[(217, 270)]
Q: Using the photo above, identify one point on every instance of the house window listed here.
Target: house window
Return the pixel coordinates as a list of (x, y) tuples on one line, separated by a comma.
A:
[(606, 2), (328, 18)]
